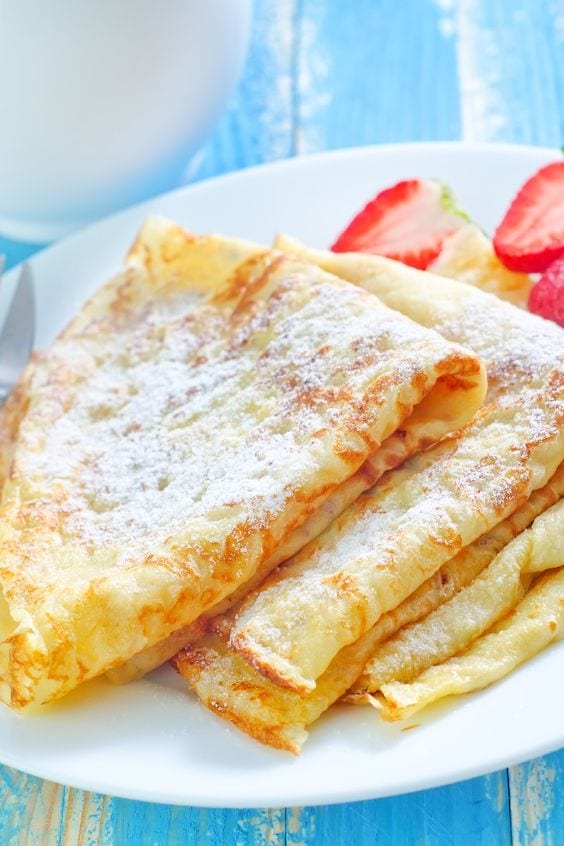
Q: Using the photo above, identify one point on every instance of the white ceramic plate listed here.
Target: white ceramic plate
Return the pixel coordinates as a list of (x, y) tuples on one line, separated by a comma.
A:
[(150, 740)]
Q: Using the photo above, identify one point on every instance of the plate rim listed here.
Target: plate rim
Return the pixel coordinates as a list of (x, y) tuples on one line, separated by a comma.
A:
[(315, 798), (292, 162)]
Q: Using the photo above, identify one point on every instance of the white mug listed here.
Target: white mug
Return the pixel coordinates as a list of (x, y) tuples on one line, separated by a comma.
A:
[(104, 102)]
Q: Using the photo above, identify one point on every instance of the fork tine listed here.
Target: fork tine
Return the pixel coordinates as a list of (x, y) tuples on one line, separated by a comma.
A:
[(18, 332)]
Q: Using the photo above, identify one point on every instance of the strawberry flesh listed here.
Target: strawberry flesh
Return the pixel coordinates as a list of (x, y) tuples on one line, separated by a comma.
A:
[(408, 222), (531, 235), (547, 296)]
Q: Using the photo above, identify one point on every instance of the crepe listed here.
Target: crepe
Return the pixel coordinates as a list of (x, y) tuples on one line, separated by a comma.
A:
[(395, 536), (194, 414), (535, 622), (279, 717), (427, 635), (11, 414), (474, 610), (468, 255)]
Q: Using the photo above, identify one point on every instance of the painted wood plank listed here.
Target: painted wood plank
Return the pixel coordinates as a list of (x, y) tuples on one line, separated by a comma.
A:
[(482, 70), (15, 251), (510, 58), (34, 812), (469, 812), (144, 824), (39, 813), (374, 72), (258, 125), (537, 801)]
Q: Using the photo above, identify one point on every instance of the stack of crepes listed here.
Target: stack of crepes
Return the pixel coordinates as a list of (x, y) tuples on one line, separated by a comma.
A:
[(441, 578), (282, 461), (204, 415)]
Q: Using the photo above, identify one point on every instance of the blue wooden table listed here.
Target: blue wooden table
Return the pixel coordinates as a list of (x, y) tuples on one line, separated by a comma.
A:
[(324, 74)]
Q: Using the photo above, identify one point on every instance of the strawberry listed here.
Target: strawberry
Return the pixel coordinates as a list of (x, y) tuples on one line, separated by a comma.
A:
[(547, 296), (408, 222), (531, 235)]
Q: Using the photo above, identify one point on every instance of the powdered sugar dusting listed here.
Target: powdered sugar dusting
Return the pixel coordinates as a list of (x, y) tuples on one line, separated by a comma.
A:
[(520, 349), (209, 420)]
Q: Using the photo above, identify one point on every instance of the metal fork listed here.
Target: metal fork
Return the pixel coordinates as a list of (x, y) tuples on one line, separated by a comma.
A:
[(18, 332)]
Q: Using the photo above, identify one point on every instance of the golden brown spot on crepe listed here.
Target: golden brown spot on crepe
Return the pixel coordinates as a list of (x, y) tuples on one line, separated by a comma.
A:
[(380, 389), (248, 280), (265, 669), (190, 663), (350, 456), (195, 658), (256, 693), (457, 361), (343, 582), (170, 251), (312, 397), (420, 382), (265, 734)]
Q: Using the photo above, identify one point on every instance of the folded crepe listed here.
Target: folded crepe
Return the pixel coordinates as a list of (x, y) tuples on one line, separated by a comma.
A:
[(300, 629), (493, 643), (468, 255), (495, 587), (534, 624), (196, 412), (279, 717)]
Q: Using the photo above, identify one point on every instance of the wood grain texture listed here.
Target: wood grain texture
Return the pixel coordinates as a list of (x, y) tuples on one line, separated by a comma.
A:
[(537, 801), (150, 825), (39, 813), (324, 74), (469, 812), (258, 125), (374, 73), (15, 252), (510, 60)]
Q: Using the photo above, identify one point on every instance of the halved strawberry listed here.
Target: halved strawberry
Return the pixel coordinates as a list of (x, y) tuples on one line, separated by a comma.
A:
[(547, 296), (531, 235), (408, 222)]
